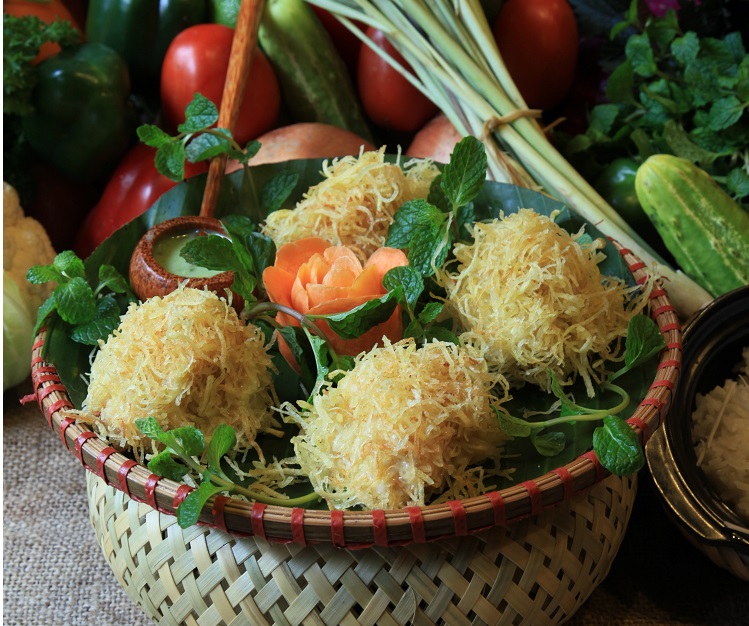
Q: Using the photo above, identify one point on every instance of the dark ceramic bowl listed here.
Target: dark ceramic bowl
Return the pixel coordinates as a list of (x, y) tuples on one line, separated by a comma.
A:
[(713, 344)]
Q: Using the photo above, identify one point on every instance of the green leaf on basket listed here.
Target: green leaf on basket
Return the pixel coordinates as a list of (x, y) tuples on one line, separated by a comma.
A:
[(75, 301), (188, 512), (644, 341), (222, 441), (548, 444), (106, 319), (164, 465), (617, 446), (185, 440)]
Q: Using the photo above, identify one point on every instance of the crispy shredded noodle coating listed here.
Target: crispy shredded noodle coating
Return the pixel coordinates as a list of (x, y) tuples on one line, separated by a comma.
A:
[(405, 423), (530, 298), (187, 360), (354, 204)]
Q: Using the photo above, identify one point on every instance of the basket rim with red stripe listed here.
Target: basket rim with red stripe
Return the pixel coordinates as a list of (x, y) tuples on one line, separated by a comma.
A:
[(361, 529)]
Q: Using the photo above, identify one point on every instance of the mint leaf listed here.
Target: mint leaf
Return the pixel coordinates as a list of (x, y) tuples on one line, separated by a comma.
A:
[(106, 319), (685, 49), (277, 190), (188, 511), (548, 444), (163, 464), (737, 182), (149, 427), (640, 54), (430, 312), (620, 88), (644, 341), (263, 251), (200, 114), (429, 248), (440, 333), (415, 330), (43, 313), (213, 252), (152, 135), (410, 218), (465, 174), (208, 145), (513, 426), (40, 274), (223, 440), (251, 149), (725, 112), (352, 324), (110, 278), (69, 264), (238, 226), (408, 279), (465, 217), (292, 336), (185, 440), (75, 300), (617, 447), (170, 160)]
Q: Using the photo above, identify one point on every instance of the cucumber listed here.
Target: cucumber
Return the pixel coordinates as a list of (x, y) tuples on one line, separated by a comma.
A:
[(705, 230), (315, 82)]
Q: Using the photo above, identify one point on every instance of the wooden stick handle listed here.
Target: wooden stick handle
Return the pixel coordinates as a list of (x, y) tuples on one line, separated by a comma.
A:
[(243, 45)]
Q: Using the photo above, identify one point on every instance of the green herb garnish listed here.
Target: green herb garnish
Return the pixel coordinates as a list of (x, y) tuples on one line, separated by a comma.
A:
[(186, 453), (197, 140), (615, 443), (675, 93), (88, 310)]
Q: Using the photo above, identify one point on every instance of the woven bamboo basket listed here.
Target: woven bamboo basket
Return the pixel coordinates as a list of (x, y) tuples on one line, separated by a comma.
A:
[(536, 572), (360, 529)]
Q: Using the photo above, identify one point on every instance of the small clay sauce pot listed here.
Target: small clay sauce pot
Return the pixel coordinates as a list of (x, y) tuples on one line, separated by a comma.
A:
[(148, 278)]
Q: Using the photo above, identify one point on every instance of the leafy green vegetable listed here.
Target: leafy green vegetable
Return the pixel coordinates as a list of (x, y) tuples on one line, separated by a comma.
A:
[(427, 228), (89, 314), (22, 38), (615, 444), (353, 323), (183, 446), (196, 140), (675, 93)]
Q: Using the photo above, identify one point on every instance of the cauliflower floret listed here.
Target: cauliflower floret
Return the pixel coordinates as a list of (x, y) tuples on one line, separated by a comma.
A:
[(25, 243)]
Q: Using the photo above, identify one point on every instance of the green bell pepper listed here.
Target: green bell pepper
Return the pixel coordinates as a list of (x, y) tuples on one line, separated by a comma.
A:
[(83, 121), (141, 31)]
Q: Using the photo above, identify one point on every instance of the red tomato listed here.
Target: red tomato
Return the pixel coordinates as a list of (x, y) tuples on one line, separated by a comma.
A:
[(539, 43), (47, 12), (388, 98), (196, 62), (135, 185)]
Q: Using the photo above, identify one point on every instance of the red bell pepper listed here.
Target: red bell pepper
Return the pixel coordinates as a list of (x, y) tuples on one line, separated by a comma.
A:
[(132, 189)]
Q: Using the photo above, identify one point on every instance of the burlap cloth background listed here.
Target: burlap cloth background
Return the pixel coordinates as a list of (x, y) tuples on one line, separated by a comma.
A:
[(55, 574)]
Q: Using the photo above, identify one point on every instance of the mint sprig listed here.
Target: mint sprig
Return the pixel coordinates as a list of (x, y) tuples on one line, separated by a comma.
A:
[(90, 312), (197, 140), (427, 228), (615, 443), (185, 452)]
